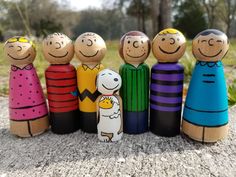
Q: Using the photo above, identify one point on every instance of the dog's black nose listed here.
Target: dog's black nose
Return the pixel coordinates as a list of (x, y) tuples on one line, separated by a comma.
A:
[(116, 79)]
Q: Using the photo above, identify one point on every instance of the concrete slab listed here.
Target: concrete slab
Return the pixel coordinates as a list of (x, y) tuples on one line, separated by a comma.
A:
[(81, 154)]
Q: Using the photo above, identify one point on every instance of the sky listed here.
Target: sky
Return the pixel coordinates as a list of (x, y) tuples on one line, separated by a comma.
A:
[(84, 4)]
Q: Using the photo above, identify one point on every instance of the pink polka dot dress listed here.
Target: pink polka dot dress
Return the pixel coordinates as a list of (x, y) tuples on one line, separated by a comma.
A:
[(26, 99)]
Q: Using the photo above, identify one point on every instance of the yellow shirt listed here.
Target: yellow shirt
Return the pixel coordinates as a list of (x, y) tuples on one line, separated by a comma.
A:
[(86, 78)]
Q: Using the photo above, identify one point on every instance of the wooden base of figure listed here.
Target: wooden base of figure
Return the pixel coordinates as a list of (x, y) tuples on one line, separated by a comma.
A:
[(63, 123), (204, 134), (135, 122), (29, 128), (165, 123), (88, 122)]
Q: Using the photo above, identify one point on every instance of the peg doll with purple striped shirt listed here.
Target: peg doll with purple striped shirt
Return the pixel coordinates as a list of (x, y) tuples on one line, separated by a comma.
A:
[(167, 83)]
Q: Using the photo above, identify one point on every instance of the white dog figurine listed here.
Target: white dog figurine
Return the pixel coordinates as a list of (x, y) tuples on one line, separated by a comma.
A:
[(109, 106)]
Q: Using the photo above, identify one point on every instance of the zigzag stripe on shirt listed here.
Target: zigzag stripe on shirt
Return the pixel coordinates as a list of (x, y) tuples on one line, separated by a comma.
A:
[(87, 93)]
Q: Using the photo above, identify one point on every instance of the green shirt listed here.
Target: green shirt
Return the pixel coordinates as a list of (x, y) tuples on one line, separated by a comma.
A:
[(135, 87)]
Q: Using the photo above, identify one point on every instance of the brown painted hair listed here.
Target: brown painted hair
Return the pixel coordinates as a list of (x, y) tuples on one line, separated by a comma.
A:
[(132, 33)]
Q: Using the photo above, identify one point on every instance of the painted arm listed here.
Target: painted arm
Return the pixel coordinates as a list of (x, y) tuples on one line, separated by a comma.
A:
[(75, 93)]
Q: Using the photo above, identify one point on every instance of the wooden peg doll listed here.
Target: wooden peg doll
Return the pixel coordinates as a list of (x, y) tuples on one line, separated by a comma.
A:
[(109, 106), (27, 105), (90, 49), (205, 115), (61, 83), (166, 88), (134, 50)]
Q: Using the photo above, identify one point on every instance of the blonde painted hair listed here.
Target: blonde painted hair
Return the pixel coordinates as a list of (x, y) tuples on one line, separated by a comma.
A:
[(21, 39), (170, 31)]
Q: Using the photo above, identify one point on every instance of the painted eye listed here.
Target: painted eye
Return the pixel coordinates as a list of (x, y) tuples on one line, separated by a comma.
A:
[(128, 42), (82, 40), (50, 42), (95, 40), (109, 73), (203, 40), (10, 46), (103, 74), (219, 41), (177, 39), (142, 42), (62, 42), (163, 39)]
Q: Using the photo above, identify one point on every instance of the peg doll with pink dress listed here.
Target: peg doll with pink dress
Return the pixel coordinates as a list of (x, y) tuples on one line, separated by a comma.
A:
[(27, 105)]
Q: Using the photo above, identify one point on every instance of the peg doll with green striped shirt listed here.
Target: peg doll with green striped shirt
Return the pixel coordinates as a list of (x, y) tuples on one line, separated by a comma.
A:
[(134, 50)]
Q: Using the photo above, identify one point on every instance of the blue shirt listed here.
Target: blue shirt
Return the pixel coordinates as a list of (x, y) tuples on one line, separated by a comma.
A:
[(206, 103)]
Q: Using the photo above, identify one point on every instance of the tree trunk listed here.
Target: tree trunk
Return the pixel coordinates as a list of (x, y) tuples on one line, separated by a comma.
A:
[(143, 18), (165, 11), (155, 15), (139, 15), (210, 9)]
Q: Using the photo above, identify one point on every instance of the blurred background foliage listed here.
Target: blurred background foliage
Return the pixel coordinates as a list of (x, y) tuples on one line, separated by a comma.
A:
[(232, 93), (41, 17)]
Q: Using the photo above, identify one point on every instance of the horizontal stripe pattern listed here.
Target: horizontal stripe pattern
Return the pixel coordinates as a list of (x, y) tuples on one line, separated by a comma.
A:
[(61, 82), (207, 118), (164, 99), (166, 94), (168, 71), (164, 77), (163, 82), (60, 76), (166, 88), (165, 108), (28, 113)]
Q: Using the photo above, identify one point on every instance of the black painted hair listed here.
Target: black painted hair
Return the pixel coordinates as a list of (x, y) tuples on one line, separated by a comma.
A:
[(211, 31)]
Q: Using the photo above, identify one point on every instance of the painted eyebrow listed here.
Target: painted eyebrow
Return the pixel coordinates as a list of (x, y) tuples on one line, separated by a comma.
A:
[(204, 40), (219, 41)]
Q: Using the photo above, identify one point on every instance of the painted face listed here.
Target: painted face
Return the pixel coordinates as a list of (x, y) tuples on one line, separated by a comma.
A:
[(135, 49), (90, 48), (19, 51), (169, 47), (58, 49), (108, 81), (210, 47)]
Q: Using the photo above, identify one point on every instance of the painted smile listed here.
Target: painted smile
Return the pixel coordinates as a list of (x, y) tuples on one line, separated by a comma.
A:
[(89, 55), (110, 88), (169, 52), (58, 56), (135, 56), (209, 55), (18, 58)]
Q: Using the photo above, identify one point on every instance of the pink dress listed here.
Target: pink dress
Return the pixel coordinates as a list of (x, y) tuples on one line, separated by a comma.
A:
[(26, 99)]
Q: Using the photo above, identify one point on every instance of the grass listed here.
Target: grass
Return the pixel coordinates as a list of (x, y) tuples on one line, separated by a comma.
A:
[(232, 93), (112, 60)]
